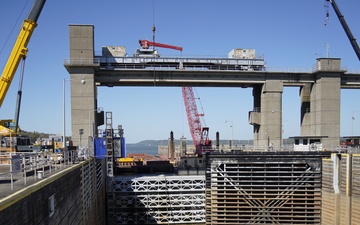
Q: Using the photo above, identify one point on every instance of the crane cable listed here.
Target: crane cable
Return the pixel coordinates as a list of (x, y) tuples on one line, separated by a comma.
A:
[(153, 37), (153, 23), (327, 14), (13, 28)]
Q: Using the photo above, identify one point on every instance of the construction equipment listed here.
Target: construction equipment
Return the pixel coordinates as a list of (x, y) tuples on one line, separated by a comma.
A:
[(19, 51), (145, 51), (199, 133), (345, 27)]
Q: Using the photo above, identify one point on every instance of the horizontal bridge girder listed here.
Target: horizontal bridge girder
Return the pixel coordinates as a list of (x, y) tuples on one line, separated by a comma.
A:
[(194, 78), (128, 71)]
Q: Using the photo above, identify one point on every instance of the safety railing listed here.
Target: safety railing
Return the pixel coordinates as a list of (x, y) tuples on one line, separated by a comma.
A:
[(15, 166), (178, 67), (228, 65), (252, 148), (289, 70), (353, 71), (82, 62), (287, 148), (330, 67)]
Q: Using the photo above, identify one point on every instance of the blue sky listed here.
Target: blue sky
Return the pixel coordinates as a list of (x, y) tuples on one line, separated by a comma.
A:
[(289, 34)]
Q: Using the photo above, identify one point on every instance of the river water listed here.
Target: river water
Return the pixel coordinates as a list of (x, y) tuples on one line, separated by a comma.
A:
[(137, 149)]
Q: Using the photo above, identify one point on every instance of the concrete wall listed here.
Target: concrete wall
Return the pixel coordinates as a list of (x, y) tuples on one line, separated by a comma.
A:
[(76, 199), (340, 192)]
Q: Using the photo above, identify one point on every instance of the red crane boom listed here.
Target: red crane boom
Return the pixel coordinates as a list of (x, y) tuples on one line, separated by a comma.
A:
[(145, 45), (199, 134)]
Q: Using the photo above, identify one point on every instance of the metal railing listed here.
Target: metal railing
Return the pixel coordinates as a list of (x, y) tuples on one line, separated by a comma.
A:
[(178, 67), (286, 147), (35, 165), (112, 63), (82, 62), (330, 67), (353, 71)]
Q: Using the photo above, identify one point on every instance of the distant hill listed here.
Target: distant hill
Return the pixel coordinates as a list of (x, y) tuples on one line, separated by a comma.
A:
[(190, 142), (34, 135)]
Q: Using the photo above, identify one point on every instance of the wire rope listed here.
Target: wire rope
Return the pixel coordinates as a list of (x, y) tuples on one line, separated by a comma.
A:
[(13, 28)]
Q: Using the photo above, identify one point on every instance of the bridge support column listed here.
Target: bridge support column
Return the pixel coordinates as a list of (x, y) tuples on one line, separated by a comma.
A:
[(267, 114), (322, 114), (83, 92)]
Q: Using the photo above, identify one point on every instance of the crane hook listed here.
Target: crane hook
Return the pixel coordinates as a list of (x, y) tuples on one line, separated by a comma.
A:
[(327, 15)]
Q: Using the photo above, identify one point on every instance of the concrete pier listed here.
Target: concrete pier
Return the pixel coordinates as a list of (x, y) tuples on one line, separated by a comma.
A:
[(82, 80), (320, 112), (267, 114)]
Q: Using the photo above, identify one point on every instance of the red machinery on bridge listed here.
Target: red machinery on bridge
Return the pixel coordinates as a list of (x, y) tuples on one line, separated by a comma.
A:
[(199, 133), (145, 51), (145, 45)]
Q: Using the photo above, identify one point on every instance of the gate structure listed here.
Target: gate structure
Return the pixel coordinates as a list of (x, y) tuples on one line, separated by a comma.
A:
[(340, 189), (163, 199), (264, 188)]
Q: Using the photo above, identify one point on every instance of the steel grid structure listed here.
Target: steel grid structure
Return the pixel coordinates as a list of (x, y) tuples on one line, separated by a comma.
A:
[(156, 200), (109, 145), (93, 178), (100, 172), (263, 188), (87, 181)]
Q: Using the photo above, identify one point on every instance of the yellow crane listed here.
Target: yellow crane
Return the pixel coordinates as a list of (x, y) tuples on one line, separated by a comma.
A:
[(18, 52)]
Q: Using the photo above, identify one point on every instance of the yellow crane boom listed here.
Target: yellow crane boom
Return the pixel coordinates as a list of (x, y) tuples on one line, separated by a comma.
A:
[(20, 48)]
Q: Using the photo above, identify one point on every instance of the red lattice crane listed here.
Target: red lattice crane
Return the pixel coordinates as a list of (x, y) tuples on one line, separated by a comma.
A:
[(199, 134)]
